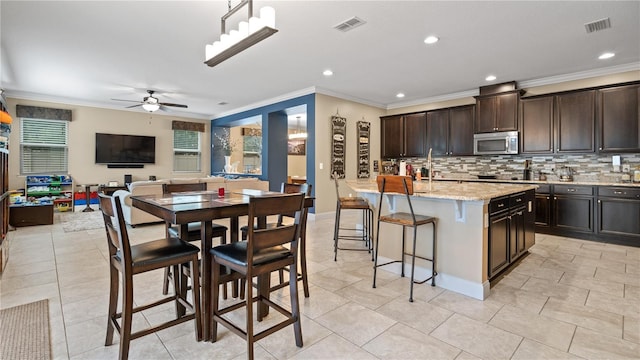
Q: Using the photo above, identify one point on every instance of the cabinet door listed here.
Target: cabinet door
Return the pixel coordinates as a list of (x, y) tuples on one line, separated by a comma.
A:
[(543, 210), (516, 233), (461, 130), (619, 119), (529, 220), (438, 132), (575, 121), (486, 115), (536, 127), (391, 137), (619, 217), (574, 212), (507, 112), (498, 243), (415, 133)]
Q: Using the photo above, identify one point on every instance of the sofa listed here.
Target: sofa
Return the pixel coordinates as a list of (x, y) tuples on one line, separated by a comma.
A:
[(134, 216)]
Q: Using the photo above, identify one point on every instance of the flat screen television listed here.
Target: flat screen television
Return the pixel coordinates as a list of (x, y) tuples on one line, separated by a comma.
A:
[(125, 149)]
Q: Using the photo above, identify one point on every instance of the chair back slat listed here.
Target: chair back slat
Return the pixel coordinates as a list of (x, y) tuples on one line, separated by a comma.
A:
[(289, 188), (259, 239), (116, 229), (395, 184), (172, 188)]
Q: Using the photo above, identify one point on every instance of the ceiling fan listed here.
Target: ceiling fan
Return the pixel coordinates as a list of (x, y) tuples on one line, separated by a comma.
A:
[(151, 103)]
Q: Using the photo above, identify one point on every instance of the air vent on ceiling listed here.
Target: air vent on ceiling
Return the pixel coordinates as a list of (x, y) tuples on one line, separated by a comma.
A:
[(598, 25), (349, 24)]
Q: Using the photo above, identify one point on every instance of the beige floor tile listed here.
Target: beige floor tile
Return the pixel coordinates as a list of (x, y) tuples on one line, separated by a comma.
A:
[(419, 315), (621, 256), (593, 345), (228, 346), (592, 284), (20, 282), (364, 294), (568, 267), (514, 279), (29, 294), (20, 269), (403, 342), (526, 300), (530, 349), (543, 329), (633, 269), (580, 252), (355, 323), (473, 308), (584, 316), (282, 344), (539, 272), (632, 292), (333, 347), (466, 356), (614, 304), (477, 338), (555, 290), (333, 280), (421, 292), (615, 266), (623, 278), (632, 329)]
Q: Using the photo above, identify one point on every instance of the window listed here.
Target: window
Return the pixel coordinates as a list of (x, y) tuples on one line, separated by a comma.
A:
[(186, 150), (43, 146)]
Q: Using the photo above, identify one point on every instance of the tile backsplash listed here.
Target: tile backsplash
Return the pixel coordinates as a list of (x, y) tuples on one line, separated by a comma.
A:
[(586, 167)]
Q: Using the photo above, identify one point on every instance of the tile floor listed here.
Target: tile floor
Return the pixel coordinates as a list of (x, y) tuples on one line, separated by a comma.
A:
[(568, 299)]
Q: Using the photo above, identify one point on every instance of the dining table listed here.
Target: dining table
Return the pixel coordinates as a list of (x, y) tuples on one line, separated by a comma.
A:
[(182, 208)]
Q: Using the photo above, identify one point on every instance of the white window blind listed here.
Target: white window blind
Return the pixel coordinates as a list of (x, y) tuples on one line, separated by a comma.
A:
[(43, 146), (186, 150)]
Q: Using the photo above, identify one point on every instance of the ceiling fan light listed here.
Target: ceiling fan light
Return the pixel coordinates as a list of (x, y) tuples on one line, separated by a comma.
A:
[(151, 107)]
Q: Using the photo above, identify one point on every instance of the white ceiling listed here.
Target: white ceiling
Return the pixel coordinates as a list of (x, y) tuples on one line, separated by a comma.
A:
[(88, 52)]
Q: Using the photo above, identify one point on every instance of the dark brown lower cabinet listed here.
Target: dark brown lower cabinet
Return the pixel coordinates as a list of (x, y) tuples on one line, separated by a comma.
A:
[(574, 213), (511, 229), (619, 212)]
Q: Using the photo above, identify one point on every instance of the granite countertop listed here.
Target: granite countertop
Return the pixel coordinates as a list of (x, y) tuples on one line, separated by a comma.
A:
[(465, 191), (546, 182)]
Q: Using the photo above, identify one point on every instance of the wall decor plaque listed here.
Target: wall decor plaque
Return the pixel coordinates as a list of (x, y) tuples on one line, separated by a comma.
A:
[(363, 149), (338, 145)]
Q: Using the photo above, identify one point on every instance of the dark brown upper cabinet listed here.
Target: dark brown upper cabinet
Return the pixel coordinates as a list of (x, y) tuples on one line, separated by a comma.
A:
[(536, 125), (575, 122), (450, 131), (403, 135), (497, 112), (619, 119)]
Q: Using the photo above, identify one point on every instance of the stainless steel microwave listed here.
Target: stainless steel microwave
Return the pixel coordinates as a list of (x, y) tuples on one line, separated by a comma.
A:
[(495, 143)]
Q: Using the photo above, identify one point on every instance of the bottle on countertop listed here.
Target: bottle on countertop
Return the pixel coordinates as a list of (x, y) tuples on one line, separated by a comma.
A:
[(526, 175)]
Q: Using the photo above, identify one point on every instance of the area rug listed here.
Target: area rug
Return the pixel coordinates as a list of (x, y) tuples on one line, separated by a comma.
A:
[(24, 331), (78, 221)]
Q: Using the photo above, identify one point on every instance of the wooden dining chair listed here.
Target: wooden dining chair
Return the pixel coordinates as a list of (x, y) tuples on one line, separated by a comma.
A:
[(264, 252), (290, 188), (193, 229), (129, 260), (395, 185)]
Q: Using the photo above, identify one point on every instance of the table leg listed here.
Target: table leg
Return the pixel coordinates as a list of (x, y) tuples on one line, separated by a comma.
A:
[(182, 288), (206, 232), (234, 224), (87, 194)]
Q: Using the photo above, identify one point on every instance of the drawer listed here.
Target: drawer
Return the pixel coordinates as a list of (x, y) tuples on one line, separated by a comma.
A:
[(498, 204), (572, 190), (619, 192), (543, 189), (517, 199)]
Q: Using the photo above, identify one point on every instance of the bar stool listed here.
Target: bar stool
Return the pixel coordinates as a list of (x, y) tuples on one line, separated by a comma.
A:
[(352, 203), (403, 185)]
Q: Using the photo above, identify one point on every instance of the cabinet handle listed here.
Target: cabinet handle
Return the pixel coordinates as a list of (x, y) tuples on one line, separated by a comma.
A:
[(571, 190), (500, 205), (599, 202), (558, 149), (547, 198), (618, 192), (599, 148), (518, 200)]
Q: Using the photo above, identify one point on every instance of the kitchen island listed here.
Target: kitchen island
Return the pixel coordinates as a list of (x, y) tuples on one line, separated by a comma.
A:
[(464, 248)]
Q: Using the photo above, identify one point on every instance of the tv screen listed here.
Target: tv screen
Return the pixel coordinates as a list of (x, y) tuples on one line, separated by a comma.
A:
[(125, 149)]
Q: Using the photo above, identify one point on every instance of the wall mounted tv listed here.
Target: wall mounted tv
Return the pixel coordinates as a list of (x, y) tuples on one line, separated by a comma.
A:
[(125, 149)]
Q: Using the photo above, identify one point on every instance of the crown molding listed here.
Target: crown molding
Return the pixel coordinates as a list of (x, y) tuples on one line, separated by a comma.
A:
[(580, 75), (434, 99)]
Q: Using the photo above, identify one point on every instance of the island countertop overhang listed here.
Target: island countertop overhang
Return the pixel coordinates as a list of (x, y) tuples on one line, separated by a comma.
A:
[(464, 191)]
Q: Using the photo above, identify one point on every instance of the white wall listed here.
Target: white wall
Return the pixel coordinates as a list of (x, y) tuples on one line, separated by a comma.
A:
[(86, 121)]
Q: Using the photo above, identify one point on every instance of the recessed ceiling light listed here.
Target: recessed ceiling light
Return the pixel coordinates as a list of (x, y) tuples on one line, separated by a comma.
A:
[(490, 78), (327, 72), (399, 95), (607, 55), (431, 39)]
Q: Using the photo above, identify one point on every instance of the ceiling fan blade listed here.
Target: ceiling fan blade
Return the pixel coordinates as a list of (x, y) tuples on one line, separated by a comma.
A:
[(132, 106), (174, 105), (126, 100)]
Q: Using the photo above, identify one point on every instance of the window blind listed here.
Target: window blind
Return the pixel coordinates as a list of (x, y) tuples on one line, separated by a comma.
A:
[(186, 150), (43, 146)]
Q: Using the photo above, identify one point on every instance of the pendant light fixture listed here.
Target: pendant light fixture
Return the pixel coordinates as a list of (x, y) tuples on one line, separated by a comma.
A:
[(249, 33), (298, 134)]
